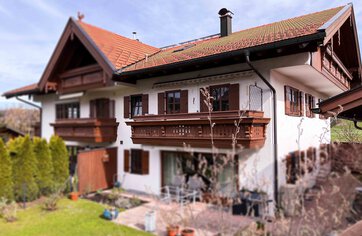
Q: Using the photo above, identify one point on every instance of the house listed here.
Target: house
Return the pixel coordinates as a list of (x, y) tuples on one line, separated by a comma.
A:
[(132, 112), (7, 133)]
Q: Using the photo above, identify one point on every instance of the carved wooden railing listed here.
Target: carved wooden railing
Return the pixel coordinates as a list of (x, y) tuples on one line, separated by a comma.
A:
[(194, 129), (90, 130), (80, 79), (333, 66)]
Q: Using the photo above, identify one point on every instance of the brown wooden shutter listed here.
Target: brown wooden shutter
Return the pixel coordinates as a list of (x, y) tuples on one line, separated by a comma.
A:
[(307, 110), (161, 103), (286, 100), (144, 104), (234, 97), (145, 162), (112, 109), (203, 106), (301, 104), (126, 161), (126, 106), (92, 108), (184, 106), (106, 109)]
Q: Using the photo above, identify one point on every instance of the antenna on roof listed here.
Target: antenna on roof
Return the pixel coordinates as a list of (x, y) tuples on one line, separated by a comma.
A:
[(80, 16)]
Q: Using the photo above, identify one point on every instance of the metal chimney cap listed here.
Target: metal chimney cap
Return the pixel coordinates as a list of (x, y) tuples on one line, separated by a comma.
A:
[(224, 11)]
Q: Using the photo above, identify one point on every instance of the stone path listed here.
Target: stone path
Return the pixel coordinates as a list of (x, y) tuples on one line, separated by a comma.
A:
[(203, 217)]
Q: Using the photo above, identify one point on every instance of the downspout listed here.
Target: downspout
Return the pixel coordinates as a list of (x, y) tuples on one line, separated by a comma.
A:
[(33, 105), (275, 137)]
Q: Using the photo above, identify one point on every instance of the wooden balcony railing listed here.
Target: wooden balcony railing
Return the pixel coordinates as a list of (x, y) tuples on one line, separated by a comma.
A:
[(80, 79), (92, 130), (194, 129), (333, 66)]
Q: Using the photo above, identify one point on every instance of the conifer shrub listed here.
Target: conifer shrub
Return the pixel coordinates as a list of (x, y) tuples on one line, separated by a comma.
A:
[(6, 178), (45, 166), (60, 160), (24, 169)]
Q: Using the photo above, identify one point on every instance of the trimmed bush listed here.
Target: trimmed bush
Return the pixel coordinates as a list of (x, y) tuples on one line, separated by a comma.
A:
[(45, 166), (24, 168), (6, 182), (60, 160)]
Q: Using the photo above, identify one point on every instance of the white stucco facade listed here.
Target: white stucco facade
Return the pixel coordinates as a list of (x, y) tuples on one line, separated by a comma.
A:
[(256, 167)]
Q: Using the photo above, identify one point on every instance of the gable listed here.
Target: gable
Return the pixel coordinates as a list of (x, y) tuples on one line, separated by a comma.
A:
[(86, 57)]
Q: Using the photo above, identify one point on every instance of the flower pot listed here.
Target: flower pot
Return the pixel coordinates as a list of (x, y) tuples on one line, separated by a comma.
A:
[(74, 196), (188, 232), (173, 230)]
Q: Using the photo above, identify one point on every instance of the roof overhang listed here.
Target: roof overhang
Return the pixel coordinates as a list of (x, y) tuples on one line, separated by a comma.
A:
[(289, 46), (347, 105), (26, 90)]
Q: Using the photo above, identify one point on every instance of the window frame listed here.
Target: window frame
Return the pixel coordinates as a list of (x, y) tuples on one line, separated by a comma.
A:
[(221, 100), (132, 97), (174, 103), (296, 106), (62, 110), (135, 159)]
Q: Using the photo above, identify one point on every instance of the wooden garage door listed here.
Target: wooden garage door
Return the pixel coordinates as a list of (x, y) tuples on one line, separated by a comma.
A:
[(97, 169)]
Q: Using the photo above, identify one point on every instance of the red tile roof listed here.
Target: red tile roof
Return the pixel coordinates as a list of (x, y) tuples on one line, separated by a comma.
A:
[(29, 89), (265, 34), (119, 50)]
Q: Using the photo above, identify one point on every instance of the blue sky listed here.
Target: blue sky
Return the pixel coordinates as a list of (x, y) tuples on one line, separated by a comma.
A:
[(30, 29)]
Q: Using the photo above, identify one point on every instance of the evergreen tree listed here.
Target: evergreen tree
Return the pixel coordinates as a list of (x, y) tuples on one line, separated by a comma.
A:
[(24, 168), (60, 160), (45, 165), (6, 180)]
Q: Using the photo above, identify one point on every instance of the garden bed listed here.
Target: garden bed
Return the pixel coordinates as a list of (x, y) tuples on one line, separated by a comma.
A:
[(115, 199)]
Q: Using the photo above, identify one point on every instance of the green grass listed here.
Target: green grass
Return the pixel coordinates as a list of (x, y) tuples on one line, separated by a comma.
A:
[(344, 131), (71, 218)]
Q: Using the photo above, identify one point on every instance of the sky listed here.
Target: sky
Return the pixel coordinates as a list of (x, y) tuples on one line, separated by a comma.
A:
[(30, 29)]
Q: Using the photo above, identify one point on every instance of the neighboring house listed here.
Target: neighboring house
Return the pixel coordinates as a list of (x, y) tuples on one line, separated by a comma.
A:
[(101, 92), (7, 133)]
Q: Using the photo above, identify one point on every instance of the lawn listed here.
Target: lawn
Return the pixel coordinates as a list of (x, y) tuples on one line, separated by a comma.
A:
[(344, 131), (71, 218)]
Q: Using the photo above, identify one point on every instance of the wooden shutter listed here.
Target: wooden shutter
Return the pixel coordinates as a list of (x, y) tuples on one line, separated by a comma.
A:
[(161, 103), (144, 104), (112, 109), (126, 161), (234, 97), (145, 162), (300, 104), (106, 109), (184, 101), (286, 100), (203, 106), (307, 110), (126, 106), (92, 108)]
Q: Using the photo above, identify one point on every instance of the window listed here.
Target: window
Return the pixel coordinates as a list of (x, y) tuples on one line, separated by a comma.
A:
[(136, 161), (67, 111), (220, 94), (136, 105), (309, 104), (102, 108), (173, 102), (293, 100)]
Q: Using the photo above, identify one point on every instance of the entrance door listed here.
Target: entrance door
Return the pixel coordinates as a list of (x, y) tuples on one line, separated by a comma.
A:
[(97, 169)]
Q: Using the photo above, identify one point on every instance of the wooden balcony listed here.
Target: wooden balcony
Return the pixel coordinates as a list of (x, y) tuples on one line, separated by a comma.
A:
[(333, 67), (81, 79), (194, 129), (92, 130)]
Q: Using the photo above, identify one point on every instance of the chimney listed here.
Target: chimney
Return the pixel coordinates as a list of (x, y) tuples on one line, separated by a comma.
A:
[(225, 22)]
